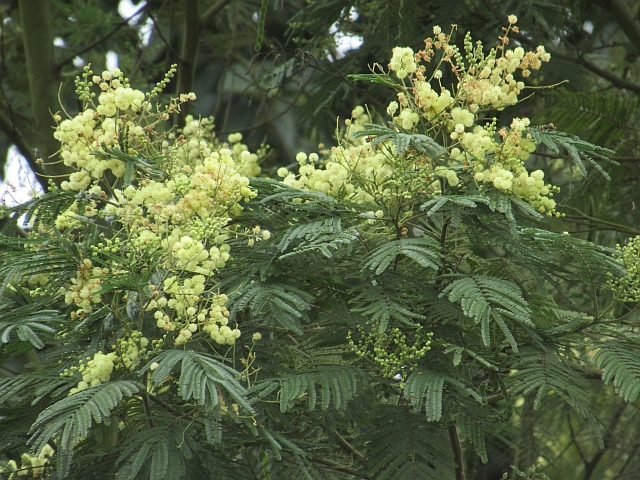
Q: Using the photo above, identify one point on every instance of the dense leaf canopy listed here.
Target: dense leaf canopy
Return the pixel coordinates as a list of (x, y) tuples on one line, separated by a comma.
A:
[(443, 283)]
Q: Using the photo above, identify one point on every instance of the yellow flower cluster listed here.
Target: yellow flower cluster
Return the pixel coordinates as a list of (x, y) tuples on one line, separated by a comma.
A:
[(194, 310), (217, 324), (130, 349), (500, 164), (402, 62), (96, 371), (175, 204), (355, 170), (114, 121), (478, 156), (200, 134), (32, 465), (84, 289)]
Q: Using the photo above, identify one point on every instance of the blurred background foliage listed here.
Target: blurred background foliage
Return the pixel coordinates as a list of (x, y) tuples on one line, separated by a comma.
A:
[(287, 86)]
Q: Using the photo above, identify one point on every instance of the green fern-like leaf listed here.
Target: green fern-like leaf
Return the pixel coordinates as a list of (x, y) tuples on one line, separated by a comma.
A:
[(474, 430), (69, 419), (283, 303), (576, 148), (483, 298), (402, 141), (323, 235), (25, 322), (602, 117), (404, 446), (544, 371), (379, 307), (424, 387), (339, 383), (424, 251), (621, 363), (161, 453), (200, 376)]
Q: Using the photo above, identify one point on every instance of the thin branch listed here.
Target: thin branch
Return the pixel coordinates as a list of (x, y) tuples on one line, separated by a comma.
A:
[(574, 439), (190, 40), (616, 159), (97, 42), (346, 446), (159, 32), (11, 131), (457, 452), (606, 74), (212, 12), (337, 466), (625, 17), (612, 225)]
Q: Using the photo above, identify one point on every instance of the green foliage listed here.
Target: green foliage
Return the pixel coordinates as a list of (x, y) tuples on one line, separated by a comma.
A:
[(254, 329), (70, 419), (423, 251), (601, 117), (403, 445), (483, 299), (545, 370), (200, 377), (619, 362), (337, 383), (401, 141), (576, 148)]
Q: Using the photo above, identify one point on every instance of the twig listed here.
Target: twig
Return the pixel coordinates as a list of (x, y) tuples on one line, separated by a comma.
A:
[(10, 129), (337, 466), (101, 39), (212, 12), (457, 452)]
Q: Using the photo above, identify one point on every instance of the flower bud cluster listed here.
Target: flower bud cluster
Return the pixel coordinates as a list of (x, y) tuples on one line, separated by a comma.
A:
[(217, 323), (193, 313), (627, 288), (113, 121), (130, 349), (97, 370), (389, 350), (83, 291), (200, 144), (256, 234)]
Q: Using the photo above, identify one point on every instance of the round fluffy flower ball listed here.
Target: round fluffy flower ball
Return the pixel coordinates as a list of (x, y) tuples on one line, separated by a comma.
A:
[(402, 62)]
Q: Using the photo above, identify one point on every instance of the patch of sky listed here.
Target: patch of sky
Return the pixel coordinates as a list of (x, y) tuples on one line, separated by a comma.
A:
[(20, 183), (345, 41)]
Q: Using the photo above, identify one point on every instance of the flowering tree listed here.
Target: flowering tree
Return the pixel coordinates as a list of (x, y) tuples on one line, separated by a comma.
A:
[(385, 310)]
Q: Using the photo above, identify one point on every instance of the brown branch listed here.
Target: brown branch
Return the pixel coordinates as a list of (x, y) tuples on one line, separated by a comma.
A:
[(337, 466), (625, 17), (212, 12), (12, 132), (188, 52), (606, 74), (159, 32), (612, 225), (97, 42), (457, 452)]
